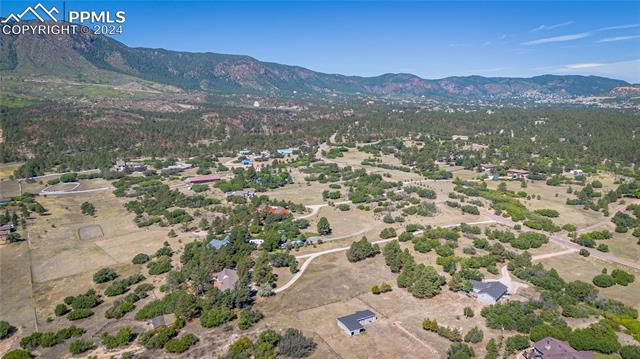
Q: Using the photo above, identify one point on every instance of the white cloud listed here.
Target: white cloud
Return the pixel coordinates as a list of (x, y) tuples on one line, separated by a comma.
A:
[(562, 38), (626, 70), (619, 38), (618, 27), (551, 27)]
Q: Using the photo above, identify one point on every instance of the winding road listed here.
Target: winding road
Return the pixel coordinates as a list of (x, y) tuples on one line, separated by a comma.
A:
[(311, 256)]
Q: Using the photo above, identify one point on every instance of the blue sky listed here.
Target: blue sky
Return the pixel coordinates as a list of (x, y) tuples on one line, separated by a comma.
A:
[(431, 39)]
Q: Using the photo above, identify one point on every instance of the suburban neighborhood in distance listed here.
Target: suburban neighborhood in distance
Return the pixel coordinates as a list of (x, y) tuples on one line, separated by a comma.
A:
[(382, 180)]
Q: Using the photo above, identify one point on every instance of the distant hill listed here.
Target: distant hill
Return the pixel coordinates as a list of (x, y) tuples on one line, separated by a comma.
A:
[(91, 58)]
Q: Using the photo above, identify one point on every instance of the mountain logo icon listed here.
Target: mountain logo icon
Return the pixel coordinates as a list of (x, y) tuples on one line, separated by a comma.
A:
[(39, 11)]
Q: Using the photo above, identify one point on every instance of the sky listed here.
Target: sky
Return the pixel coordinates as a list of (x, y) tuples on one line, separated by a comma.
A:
[(431, 39)]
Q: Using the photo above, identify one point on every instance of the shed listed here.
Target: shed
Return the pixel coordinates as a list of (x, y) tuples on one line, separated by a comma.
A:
[(353, 324)]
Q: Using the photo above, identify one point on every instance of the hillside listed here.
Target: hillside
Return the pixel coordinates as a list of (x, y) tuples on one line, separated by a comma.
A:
[(91, 58)]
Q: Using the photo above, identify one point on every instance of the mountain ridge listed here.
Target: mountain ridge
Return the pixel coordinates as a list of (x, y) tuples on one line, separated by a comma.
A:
[(93, 57)]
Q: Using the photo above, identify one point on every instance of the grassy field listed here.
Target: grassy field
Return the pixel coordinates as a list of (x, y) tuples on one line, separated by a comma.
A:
[(573, 267), (317, 299)]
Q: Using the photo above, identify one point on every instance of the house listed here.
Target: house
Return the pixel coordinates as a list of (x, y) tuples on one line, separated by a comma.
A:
[(245, 194), (201, 179), (489, 292), (517, 174), (551, 348), (487, 167), (226, 279), (180, 167), (277, 210), (217, 243), (132, 166), (286, 151), (244, 153), (576, 172), (353, 324)]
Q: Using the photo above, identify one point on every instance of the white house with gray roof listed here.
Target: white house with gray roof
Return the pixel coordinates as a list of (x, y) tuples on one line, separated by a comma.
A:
[(353, 324), (489, 292)]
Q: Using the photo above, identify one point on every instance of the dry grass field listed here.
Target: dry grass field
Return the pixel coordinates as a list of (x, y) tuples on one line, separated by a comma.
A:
[(573, 267), (317, 299)]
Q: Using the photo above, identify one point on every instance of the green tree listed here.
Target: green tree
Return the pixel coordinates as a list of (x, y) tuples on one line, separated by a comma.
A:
[(323, 226)]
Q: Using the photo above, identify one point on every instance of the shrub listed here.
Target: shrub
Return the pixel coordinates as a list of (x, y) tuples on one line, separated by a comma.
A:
[(182, 344), (388, 233), (105, 275), (547, 212), (603, 247), (323, 226), (5, 329), (460, 351), (630, 352), (294, 344), (361, 249), (622, 277), (80, 346), (604, 280), (248, 317), (123, 337), (20, 354), (470, 209), (61, 310), (216, 317), (156, 339), (468, 312), (140, 258), (583, 252), (517, 343), (160, 265), (475, 335), (78, 314)]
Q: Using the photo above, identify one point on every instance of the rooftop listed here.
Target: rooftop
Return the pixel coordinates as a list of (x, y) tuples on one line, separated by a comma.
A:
[(352, 321), (552, 348), (493, 289)]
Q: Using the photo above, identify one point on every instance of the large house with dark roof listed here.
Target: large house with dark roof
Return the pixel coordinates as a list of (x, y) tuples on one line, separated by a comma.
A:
[(489, 292), (551, 348), (353, 324)]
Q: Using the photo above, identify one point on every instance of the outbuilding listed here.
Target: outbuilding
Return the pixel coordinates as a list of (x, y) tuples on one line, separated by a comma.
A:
[(353, 324)]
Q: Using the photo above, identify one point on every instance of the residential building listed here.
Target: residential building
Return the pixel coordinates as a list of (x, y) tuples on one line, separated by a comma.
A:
[(219, 243), (201, 179), (226, 279), (551, 348), (517, 174), (353, 324), (489, 292), (487, 167)]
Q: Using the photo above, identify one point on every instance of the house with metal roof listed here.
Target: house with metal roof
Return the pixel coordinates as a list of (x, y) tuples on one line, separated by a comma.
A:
[(489, 292), (551, 348), (219, 243), (353, 324)]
